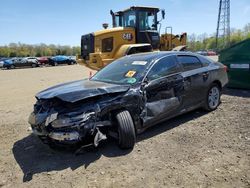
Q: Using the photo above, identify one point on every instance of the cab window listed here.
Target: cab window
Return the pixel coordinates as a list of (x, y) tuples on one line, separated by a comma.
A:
[(189, 62), (164, 67), (129, 19)]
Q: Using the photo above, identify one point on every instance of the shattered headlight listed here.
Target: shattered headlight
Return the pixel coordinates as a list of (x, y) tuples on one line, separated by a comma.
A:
[(59, 123), (71, 120)]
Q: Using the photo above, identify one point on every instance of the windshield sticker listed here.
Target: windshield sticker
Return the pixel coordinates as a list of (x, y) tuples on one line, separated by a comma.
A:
[(139, 63), (130, 74), (131, 80)]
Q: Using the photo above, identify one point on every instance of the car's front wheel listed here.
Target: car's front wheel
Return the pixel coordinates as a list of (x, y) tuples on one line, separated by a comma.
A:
[(126, 130), (213, 97)]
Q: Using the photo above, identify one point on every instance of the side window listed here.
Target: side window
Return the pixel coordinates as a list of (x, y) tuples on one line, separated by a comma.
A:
[(163, 67), (107, 44), (189, 62)]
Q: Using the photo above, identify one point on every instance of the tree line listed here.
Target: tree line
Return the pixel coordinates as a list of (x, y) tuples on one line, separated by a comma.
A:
[(195, 43), (38, 50), (206, 42)]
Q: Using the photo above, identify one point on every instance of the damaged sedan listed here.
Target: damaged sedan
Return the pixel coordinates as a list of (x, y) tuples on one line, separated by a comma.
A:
[(126, 97)]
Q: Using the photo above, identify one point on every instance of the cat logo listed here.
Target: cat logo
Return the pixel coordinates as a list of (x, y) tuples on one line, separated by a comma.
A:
[(127, 36)]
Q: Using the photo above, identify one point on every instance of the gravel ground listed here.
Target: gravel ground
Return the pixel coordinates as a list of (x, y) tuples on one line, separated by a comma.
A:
[(197, 149)]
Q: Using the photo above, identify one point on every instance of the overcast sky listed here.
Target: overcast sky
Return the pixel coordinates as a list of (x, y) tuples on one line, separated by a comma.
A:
[(64, 21)]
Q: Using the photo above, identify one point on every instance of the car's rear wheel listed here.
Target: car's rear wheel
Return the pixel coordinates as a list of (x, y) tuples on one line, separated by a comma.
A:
[(126, 130), (213, 97)]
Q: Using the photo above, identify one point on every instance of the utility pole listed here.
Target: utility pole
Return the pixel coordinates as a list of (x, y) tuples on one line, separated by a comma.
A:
[(223, 24)]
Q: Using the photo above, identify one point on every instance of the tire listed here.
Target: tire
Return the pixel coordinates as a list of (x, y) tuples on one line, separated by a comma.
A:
[(70, 63), (12, 67), (213, 97), (126, 130), (55, 64)]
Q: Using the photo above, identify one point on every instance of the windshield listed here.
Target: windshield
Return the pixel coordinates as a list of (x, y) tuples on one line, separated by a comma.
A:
[(128, 70)]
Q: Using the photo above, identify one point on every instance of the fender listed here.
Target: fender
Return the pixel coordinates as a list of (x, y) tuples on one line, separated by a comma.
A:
[(126, 49)]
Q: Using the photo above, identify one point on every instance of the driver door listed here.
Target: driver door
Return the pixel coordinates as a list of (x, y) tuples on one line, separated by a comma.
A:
[(163, 93)]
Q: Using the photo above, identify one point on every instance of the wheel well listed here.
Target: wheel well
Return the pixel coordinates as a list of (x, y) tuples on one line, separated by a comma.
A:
[(218, 83)]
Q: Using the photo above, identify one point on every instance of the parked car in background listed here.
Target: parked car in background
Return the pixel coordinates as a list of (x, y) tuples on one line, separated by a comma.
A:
[(21, 62), (126, 97), (9, 63), (31, 59), (43, 60), (207, 52), (211, 53), (202, 52), (61, 59), (72, 57), (2, 61)]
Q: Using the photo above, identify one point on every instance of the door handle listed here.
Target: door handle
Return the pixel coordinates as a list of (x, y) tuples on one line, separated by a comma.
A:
[(205, 74)]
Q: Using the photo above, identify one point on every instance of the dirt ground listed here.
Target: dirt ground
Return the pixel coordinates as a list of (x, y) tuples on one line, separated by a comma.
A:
[(197, 149)]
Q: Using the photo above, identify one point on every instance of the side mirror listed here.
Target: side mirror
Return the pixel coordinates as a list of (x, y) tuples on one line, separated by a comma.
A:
[(112, 13), (163, 14)]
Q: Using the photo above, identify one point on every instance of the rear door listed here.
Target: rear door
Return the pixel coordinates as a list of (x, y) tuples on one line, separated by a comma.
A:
[(195, 79), (163, 93)]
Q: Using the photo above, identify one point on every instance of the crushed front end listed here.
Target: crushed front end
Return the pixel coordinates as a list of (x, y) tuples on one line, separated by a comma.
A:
[(59, 122)]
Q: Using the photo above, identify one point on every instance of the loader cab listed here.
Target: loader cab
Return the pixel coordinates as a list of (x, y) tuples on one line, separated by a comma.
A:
[(143, 19)]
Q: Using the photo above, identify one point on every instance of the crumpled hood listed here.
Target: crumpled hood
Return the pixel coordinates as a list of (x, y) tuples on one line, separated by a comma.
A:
[(79, 90)]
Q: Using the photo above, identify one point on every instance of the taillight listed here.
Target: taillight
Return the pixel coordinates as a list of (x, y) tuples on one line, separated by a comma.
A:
[(225, 68)]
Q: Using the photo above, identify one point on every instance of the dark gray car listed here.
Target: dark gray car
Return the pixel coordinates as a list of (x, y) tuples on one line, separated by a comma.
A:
[(21, 62), (126, 97)]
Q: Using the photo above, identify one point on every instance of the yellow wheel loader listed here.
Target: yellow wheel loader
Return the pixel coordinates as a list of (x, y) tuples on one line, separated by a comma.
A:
[(135, 30)]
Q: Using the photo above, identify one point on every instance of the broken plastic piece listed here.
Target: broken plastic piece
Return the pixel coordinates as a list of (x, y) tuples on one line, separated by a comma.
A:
[(99, 137)]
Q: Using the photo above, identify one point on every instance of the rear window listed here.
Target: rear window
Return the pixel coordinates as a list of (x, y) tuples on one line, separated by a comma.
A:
[(205, 61), (189, 62)]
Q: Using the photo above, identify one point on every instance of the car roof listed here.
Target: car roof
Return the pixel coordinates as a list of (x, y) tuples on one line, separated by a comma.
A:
[(153, 56)]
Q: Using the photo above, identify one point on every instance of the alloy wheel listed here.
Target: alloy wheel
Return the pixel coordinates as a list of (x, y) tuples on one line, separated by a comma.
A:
[(213, 97)]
